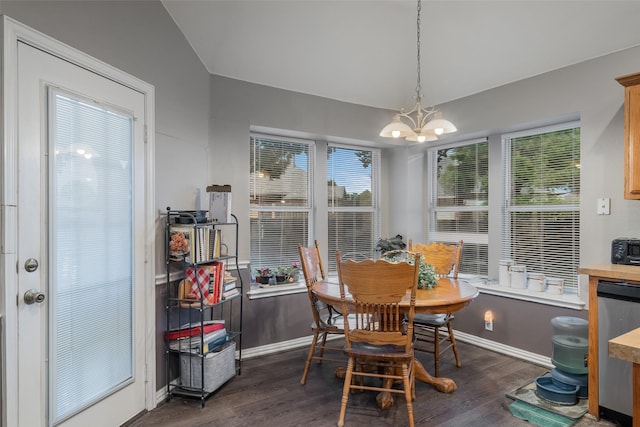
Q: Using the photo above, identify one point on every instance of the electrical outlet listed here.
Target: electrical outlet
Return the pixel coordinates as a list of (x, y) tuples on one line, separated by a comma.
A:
[(488, 325)]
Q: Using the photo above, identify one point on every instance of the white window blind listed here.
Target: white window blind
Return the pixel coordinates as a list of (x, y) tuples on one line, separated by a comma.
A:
[(541, 207), (352, 177), (281, 171), (459, 201), (91, 240)]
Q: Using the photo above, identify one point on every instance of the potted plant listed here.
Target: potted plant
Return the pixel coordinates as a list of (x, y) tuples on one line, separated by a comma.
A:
[(293, 272), (263, 275), (427, 278), (281, 274)]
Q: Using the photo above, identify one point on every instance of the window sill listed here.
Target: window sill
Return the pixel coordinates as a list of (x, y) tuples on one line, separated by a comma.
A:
[(257, 292), (568, 301)]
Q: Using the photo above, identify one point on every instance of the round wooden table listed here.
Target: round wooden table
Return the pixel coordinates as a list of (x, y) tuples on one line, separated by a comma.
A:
[(449, 296)]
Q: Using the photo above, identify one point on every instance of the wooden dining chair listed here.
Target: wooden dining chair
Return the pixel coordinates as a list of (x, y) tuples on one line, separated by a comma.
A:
[(378, 336), (434, 333), (326, 320)]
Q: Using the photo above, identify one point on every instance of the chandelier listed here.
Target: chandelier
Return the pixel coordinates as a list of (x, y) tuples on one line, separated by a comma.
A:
[(428, 124)]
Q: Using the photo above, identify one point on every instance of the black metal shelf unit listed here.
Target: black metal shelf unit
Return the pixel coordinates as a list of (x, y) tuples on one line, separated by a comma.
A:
[(203, 338)]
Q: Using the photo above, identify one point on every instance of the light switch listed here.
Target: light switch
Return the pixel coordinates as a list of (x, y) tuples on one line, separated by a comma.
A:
[(604, 205)]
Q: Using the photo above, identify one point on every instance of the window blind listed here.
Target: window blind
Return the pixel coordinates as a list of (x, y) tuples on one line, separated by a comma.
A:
[(280, 176), (459, 201), (541, 206), (91, 241), (352, 202)]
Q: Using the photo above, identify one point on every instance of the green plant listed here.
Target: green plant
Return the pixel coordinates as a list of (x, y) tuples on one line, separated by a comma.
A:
[(427, 278), (289, 271), (293, 270)]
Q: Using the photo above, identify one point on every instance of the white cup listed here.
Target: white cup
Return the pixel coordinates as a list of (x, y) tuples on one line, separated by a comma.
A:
[(504, 279), (518, 276), (535, 282), (554, 285)]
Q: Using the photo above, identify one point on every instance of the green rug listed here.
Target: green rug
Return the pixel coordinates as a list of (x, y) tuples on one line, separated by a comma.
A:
[(538, 416)]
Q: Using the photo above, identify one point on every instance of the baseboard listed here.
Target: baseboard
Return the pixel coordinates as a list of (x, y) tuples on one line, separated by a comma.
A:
[(534, 358), (265, 350)]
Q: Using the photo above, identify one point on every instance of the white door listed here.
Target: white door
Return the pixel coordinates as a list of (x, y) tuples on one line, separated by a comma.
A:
[(80, 245)]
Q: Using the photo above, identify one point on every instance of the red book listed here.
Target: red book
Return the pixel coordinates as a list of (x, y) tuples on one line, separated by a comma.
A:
[(218, 280), (192, 331)]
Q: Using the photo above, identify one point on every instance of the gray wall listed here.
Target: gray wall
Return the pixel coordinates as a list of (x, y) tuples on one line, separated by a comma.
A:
[(589, 91), (140, 38), (203, 123)]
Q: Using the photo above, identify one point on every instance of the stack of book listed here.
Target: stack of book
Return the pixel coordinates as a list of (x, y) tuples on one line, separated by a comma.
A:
[(229, 288), (203, 243), (196, 337)]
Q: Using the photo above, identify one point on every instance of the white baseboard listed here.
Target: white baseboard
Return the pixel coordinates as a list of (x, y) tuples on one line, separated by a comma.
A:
[(278, 347), (534, 358)]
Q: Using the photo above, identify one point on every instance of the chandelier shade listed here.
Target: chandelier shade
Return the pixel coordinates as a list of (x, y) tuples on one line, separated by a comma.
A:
[(421, 137), (427, 124), (439, 126), (396, 129)]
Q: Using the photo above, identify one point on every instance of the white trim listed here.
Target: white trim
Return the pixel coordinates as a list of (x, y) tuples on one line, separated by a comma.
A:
[(257, 292), (14, 32), (571, 301), (534, 358), (544, 129), (434, 147)]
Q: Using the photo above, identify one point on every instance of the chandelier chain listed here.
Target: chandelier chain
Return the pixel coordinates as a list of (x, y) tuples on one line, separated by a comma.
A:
[(418, 86), (419, 124)]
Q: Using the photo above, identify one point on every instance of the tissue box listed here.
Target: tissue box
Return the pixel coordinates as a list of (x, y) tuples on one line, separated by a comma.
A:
[(220, 203), (219, 367)]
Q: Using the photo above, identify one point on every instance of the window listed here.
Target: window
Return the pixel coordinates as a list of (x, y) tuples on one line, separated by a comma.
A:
[(280, 177), (352, 201), (459, 201), (541, 227)]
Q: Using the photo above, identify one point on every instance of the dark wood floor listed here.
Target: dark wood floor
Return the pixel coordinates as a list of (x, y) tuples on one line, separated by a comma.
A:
[(269, 394)]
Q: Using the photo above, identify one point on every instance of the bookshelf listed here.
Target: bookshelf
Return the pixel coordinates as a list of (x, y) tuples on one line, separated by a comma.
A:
[(203, 335)]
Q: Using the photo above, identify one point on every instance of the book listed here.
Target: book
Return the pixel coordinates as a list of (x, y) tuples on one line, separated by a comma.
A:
[(217, 241), (230, 293), (192, 330), (200, 344), (215, 280), (181, 243), (206, 236), (228, 286), (201, 278)]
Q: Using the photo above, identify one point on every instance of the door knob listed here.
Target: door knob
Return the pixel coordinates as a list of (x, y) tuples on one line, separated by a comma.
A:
[(33, 295)]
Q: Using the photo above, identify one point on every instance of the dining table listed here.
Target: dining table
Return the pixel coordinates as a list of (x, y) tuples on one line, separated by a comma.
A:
[(448, 296)]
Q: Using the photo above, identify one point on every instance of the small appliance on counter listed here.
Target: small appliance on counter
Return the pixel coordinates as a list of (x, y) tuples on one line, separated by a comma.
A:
[(625, 250), (568, 381)]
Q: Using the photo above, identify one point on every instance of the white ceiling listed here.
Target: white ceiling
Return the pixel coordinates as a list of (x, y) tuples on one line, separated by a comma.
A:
[(364, 51)]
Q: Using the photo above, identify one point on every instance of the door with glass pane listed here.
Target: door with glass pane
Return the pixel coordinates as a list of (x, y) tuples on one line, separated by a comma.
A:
[(80, 253)]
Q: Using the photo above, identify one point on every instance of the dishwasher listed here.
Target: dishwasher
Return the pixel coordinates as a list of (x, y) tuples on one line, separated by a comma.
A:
[(618, 313)]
